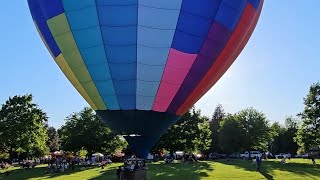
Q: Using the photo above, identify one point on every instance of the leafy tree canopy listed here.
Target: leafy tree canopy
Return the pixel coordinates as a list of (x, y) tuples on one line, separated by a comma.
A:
[(246, 130), (85, 130), (23, 127), (190, 133)]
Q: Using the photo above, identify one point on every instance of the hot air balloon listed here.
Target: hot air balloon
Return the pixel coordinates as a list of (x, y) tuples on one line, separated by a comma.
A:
[(141, 64)]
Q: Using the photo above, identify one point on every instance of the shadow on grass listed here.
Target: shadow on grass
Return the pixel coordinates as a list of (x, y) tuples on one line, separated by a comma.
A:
[(268, 167), (109, 173), (39, 172), (179, 171), (194, 171)]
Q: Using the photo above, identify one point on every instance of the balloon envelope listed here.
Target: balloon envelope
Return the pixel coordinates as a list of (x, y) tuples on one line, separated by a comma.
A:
[(141, 64)]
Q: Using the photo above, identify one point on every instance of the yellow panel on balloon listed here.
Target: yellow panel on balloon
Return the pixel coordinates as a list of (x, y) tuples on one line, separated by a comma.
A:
[(60, 60)]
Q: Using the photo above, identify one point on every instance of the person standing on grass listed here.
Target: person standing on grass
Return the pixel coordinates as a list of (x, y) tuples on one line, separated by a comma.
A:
[(258, 161), (312, 159)]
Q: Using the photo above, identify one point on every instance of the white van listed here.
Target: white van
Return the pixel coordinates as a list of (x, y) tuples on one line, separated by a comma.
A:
[(254, 154)]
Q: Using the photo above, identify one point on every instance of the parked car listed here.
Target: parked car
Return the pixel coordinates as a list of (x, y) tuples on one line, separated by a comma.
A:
[(215, 155), (250, 154), (234, 156), (305, 155), (283, 155)]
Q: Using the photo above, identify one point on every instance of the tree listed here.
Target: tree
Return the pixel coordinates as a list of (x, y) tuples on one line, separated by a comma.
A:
[(190, 133), (246, 130), (217, 117), (283, 136), (53, 139), (308, 134), (256, 129), (23, 127), (85, 130), (290, 145), (276, 141), (231, 135)]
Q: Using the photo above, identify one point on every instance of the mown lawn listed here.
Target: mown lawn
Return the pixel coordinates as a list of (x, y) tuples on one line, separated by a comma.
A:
[(223, 169)]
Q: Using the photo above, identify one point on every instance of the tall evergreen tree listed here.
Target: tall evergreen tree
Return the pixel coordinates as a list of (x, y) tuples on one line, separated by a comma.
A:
[(308, 134), (217, 117), (53, 139)]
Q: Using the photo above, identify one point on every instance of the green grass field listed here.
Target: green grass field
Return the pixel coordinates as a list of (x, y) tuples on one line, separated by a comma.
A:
[(223, 169)]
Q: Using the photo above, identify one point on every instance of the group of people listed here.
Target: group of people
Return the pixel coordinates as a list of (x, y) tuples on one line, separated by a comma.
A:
[(187, 158), (27, 164), (131, 166), (61, 164), (4, 165)]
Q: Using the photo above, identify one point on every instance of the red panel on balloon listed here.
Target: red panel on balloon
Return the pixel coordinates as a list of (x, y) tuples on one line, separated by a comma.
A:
[(235, 45)]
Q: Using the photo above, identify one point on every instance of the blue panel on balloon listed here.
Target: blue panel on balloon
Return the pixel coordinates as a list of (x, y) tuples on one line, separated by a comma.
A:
[(35, 9), (106, 87), (83, 18), (187, 43), (127, 102), (121, 54), (118, 21), (165, 19), (152, 56), (70, 5), (191, 32), (150, 73), (118, 15), (96, 55), (99, 72), (123, 71), (119, 36), (155, 37), (116, 2), (230, 13), (255, 3), (125, 88), (88, 38), (40, 20), (204, 8), (84, 24), (146, 88), (144, 102), (194, 25), (112, 102), (163, 4), (51, 8)]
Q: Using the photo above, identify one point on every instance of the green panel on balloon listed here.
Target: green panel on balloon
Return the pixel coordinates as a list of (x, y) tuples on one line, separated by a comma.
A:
[(73, 55), (58, 25), (63, 36)]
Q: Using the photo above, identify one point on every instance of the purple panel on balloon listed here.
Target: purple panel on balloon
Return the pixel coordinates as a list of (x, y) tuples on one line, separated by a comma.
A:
[(214, 44)]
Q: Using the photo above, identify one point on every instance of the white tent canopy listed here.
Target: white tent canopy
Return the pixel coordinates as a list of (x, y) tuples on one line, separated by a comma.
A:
[(98, 154)]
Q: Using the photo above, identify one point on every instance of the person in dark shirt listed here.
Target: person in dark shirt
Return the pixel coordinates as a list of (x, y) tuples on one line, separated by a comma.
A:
[(258, 161)]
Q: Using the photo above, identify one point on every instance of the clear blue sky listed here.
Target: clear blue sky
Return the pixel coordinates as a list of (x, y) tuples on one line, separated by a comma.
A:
[(272, 74)]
